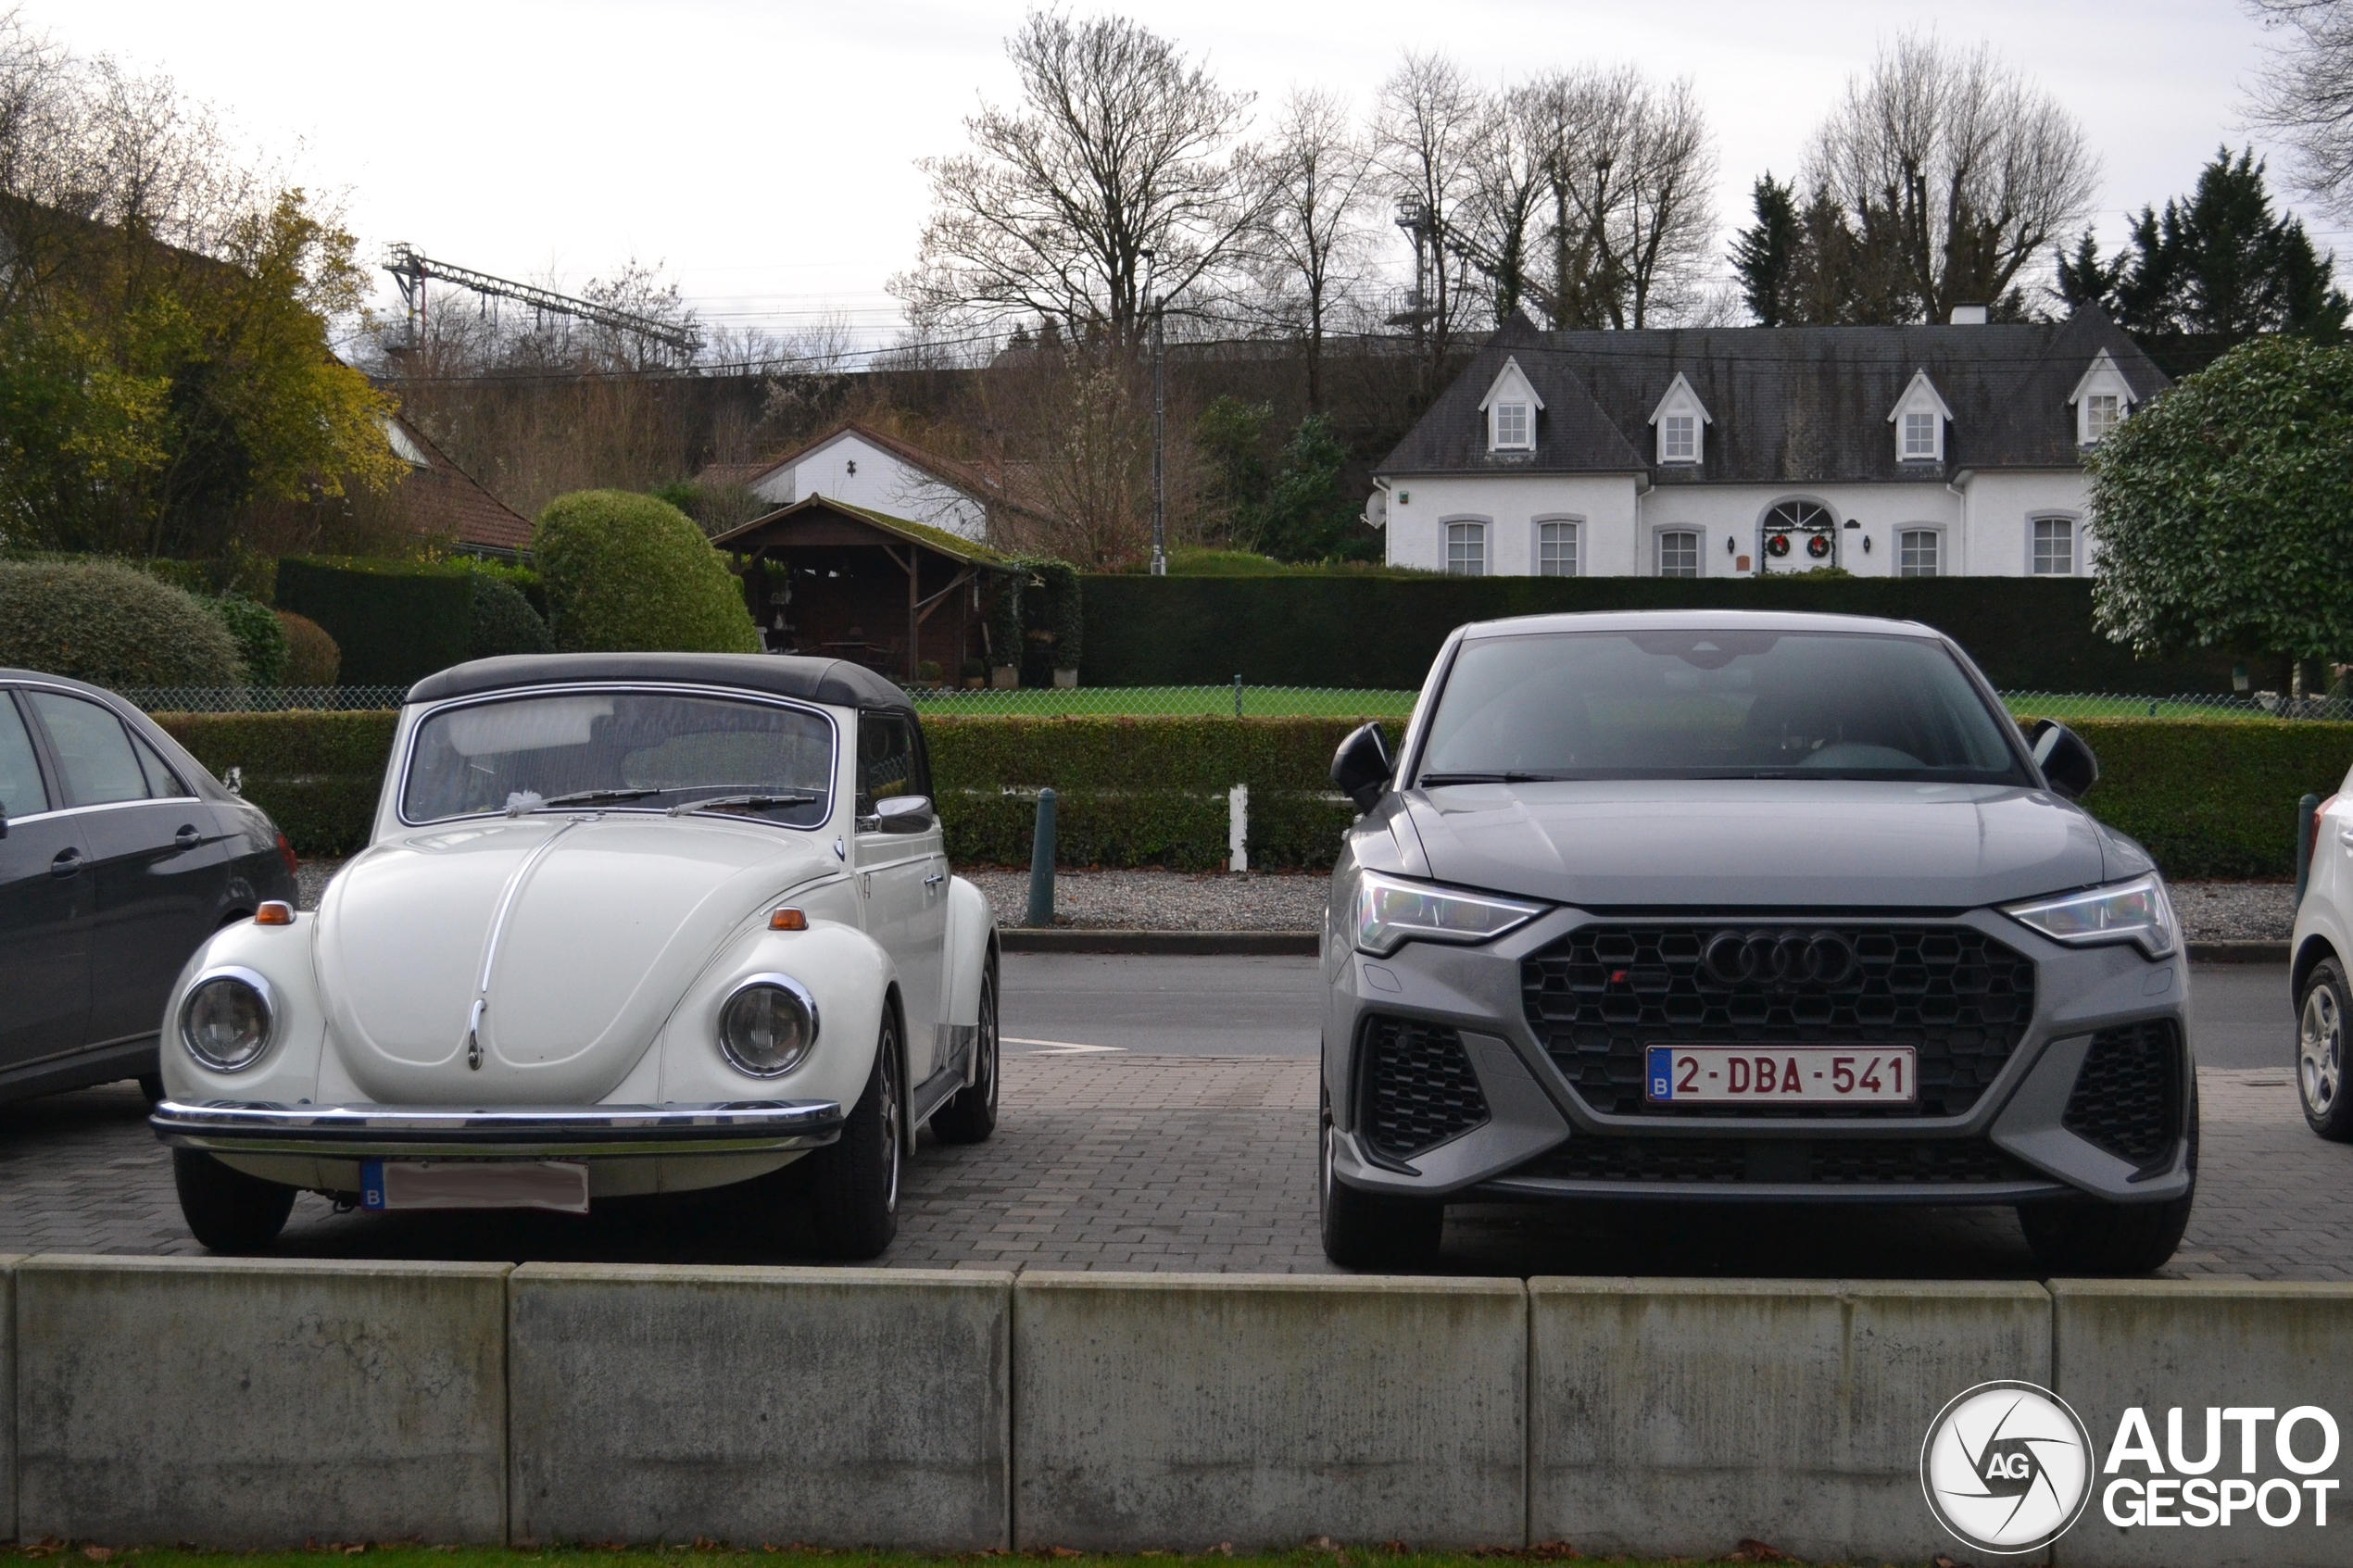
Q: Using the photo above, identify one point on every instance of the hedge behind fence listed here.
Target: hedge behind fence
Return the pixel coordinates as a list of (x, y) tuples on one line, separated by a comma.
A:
[(1382, 631), (2209, 798), (395, 621)]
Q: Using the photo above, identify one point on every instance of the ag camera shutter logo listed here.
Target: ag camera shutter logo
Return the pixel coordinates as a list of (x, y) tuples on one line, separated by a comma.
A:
[(2006, 1467)]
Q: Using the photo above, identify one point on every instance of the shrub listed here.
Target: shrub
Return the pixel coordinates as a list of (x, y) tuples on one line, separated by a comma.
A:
[(1039, 619), (317, 774), (261, 642), (629, 571), (395, 621), (503, 622), (107, 623), (2213, 797), (313, 659)]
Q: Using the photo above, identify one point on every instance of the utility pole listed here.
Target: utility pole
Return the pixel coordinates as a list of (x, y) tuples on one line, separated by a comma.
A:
[(1160, 409)]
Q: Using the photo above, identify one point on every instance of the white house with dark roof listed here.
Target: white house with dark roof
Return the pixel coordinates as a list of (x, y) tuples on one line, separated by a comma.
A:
[(1951, 450), (863, 467)]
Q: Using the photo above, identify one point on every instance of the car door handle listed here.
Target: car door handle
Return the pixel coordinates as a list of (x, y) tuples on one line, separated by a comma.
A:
[(187, 837), (67, 861), (2344, 836), (935, 879)]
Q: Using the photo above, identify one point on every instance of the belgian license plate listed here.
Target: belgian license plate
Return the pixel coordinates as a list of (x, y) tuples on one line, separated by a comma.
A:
[(1788, 1075), (559, 1184)]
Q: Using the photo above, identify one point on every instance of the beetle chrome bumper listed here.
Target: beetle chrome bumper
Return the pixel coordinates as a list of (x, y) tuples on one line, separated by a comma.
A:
[(506, 1132)]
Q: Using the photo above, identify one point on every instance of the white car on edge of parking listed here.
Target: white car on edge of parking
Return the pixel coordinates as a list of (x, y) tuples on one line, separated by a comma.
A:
[(628, 923), (2320, 952)]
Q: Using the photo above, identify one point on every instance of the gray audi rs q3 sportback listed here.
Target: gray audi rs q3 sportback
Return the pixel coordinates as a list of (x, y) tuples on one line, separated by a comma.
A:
[(1724, 906)]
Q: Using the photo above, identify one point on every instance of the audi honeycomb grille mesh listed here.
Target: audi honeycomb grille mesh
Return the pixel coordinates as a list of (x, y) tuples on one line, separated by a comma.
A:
[(1601, 995), (2128, 1093), (1419, 1086)]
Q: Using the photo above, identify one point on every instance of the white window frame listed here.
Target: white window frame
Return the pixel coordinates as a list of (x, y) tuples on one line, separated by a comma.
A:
[(2074, 543), (1678, 438), (1576, 526), (2101, 380), (1511, 388), (1680, 406), (2103, 412), (1919, 435), (1936, 538), (1482, 531), (1659, 549), (1524, 415), (1919, 397)]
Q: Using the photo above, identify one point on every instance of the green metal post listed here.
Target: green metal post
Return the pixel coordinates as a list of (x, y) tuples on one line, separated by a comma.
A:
[(1041, 864)]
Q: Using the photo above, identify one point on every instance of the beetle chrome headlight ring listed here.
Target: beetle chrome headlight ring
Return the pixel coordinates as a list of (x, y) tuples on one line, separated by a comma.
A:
[(228, 1018), (767, 1025)]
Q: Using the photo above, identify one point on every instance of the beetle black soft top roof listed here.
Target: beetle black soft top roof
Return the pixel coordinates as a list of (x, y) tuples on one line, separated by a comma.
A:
[(832, 681)]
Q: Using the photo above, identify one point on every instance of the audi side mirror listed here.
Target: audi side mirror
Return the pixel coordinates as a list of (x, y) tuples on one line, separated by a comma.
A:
[(2067, 762), (905, 813), (1362, 766)]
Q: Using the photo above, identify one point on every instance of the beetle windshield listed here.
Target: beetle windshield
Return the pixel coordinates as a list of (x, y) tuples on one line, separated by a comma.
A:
[(1712, 703), (622, 750)]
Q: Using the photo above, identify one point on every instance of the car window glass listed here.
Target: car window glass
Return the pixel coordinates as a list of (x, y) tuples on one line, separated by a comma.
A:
[(660, 748), (163, 782), (20, 790), (1712, 703), (93, 751), (887, 761)]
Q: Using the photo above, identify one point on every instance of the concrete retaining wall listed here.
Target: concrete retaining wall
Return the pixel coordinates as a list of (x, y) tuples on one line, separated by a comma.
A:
[(260, 1403), (836, 1407), (263, 1402), (1675, 1417), (1183, 1410)]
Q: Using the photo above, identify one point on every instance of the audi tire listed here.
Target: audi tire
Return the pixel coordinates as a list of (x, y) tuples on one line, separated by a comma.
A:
[(1364, 1232)]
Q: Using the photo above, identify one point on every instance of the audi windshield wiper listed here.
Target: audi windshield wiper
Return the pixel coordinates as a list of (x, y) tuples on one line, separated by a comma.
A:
[(756, 802), (1429, 779)]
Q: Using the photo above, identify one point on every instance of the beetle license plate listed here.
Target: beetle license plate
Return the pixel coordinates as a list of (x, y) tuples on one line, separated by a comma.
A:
[(1783, 1075), (559, 1184)]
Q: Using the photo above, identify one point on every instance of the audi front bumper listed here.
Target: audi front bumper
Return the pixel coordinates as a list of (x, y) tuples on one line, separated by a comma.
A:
[(419, 1132)]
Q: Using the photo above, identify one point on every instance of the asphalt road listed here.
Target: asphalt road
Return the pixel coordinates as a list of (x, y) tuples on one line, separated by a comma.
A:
[(1078, 1004)]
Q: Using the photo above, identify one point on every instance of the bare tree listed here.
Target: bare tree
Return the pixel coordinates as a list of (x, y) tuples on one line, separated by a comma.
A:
[(1313, 235), (1959, 163), (1510, 163), (2306, 93), (1124, 157), (1425, 135)]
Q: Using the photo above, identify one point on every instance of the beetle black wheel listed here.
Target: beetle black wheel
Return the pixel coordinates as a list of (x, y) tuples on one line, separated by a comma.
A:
[(970, 1114), (857, 1177), (228, 1210)]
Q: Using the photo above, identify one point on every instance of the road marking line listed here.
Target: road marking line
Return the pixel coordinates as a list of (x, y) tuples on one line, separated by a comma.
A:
[(1057, 1048)]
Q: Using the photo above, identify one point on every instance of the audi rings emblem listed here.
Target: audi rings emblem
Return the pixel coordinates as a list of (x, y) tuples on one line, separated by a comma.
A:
[(1822, 956)]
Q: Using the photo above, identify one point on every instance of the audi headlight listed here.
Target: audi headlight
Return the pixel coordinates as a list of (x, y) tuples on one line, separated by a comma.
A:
[(767, 1025), (226, 1020), (1391, 911), (2135, 911)]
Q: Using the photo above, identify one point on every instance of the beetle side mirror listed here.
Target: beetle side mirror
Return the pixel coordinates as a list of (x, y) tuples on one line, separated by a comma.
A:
[(1362, 766), (2067, 762), (904, 813)]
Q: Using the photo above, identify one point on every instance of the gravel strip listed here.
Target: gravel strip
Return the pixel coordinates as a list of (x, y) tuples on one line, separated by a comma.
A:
[(311, 880), (1165, 900), (2236, 911)]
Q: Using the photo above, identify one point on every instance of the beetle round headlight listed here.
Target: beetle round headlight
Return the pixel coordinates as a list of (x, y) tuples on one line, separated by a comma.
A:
[(226, 1020), (767, 1025)]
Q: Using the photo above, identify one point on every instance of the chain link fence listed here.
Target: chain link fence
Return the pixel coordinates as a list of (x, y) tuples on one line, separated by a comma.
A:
[(1240, 700)]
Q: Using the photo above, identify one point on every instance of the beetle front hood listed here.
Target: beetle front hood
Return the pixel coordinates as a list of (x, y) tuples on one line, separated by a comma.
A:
[(577, 935), (1828, 843)]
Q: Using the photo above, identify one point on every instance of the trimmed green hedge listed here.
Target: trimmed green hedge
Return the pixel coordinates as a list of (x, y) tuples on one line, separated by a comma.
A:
[(626, 572), (2209, 798), (100, 620), (395, 621), (1383, 631)]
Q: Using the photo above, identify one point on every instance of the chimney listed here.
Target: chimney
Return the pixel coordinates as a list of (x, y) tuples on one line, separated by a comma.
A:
[(1968, 315)]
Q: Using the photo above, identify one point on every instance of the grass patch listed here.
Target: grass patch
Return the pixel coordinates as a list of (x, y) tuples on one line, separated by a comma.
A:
[(708, 1554)]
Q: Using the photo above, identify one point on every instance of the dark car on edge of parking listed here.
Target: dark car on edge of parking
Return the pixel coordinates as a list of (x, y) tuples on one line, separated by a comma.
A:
[(1711, 907), (118, 856)]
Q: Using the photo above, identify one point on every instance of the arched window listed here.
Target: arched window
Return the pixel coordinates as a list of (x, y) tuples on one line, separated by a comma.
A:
[(1799, 514)]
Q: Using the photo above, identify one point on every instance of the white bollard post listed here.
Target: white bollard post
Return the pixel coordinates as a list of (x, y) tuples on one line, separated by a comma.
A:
[(1238, 828)]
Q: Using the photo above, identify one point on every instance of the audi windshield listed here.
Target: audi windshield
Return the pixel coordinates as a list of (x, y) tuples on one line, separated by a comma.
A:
[(1714, 704), (621, 750)]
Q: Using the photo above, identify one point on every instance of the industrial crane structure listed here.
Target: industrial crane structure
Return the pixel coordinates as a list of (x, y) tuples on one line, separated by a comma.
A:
[(412, 272)]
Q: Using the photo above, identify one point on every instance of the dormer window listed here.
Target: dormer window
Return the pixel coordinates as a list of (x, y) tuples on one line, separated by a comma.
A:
[(2101, 400), (1681, 419), (1919, 418), (1510, 407), (1512, 431)]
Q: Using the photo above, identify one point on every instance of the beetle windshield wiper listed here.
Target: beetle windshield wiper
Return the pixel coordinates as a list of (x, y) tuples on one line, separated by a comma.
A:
[(588, 798), (755, 802)]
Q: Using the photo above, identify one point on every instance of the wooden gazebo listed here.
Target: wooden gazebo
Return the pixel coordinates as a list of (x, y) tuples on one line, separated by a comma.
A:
[(827, 578)]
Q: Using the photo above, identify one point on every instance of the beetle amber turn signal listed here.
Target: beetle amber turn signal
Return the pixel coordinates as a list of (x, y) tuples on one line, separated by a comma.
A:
[(274, 912), (787, 920)]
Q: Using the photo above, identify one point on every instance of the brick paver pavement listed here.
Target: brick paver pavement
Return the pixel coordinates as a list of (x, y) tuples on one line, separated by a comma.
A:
[(1134, 1161)]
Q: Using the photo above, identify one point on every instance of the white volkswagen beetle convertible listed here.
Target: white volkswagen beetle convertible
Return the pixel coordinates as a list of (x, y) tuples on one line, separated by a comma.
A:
[(628, 923)]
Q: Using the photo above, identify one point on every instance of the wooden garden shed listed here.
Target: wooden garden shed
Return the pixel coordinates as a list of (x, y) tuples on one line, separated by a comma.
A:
[(825, 578)]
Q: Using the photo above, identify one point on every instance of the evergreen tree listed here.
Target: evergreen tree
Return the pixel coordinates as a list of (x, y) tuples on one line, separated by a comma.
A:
[(1310, 514), (1764, 258)]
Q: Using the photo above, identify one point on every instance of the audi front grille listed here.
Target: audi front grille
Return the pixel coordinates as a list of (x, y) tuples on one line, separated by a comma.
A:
[(1601, 995), (2128, 1093), (1419, 1086)]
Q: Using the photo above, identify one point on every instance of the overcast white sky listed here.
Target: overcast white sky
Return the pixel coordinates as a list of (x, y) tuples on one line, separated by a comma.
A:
[(764, 152)]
